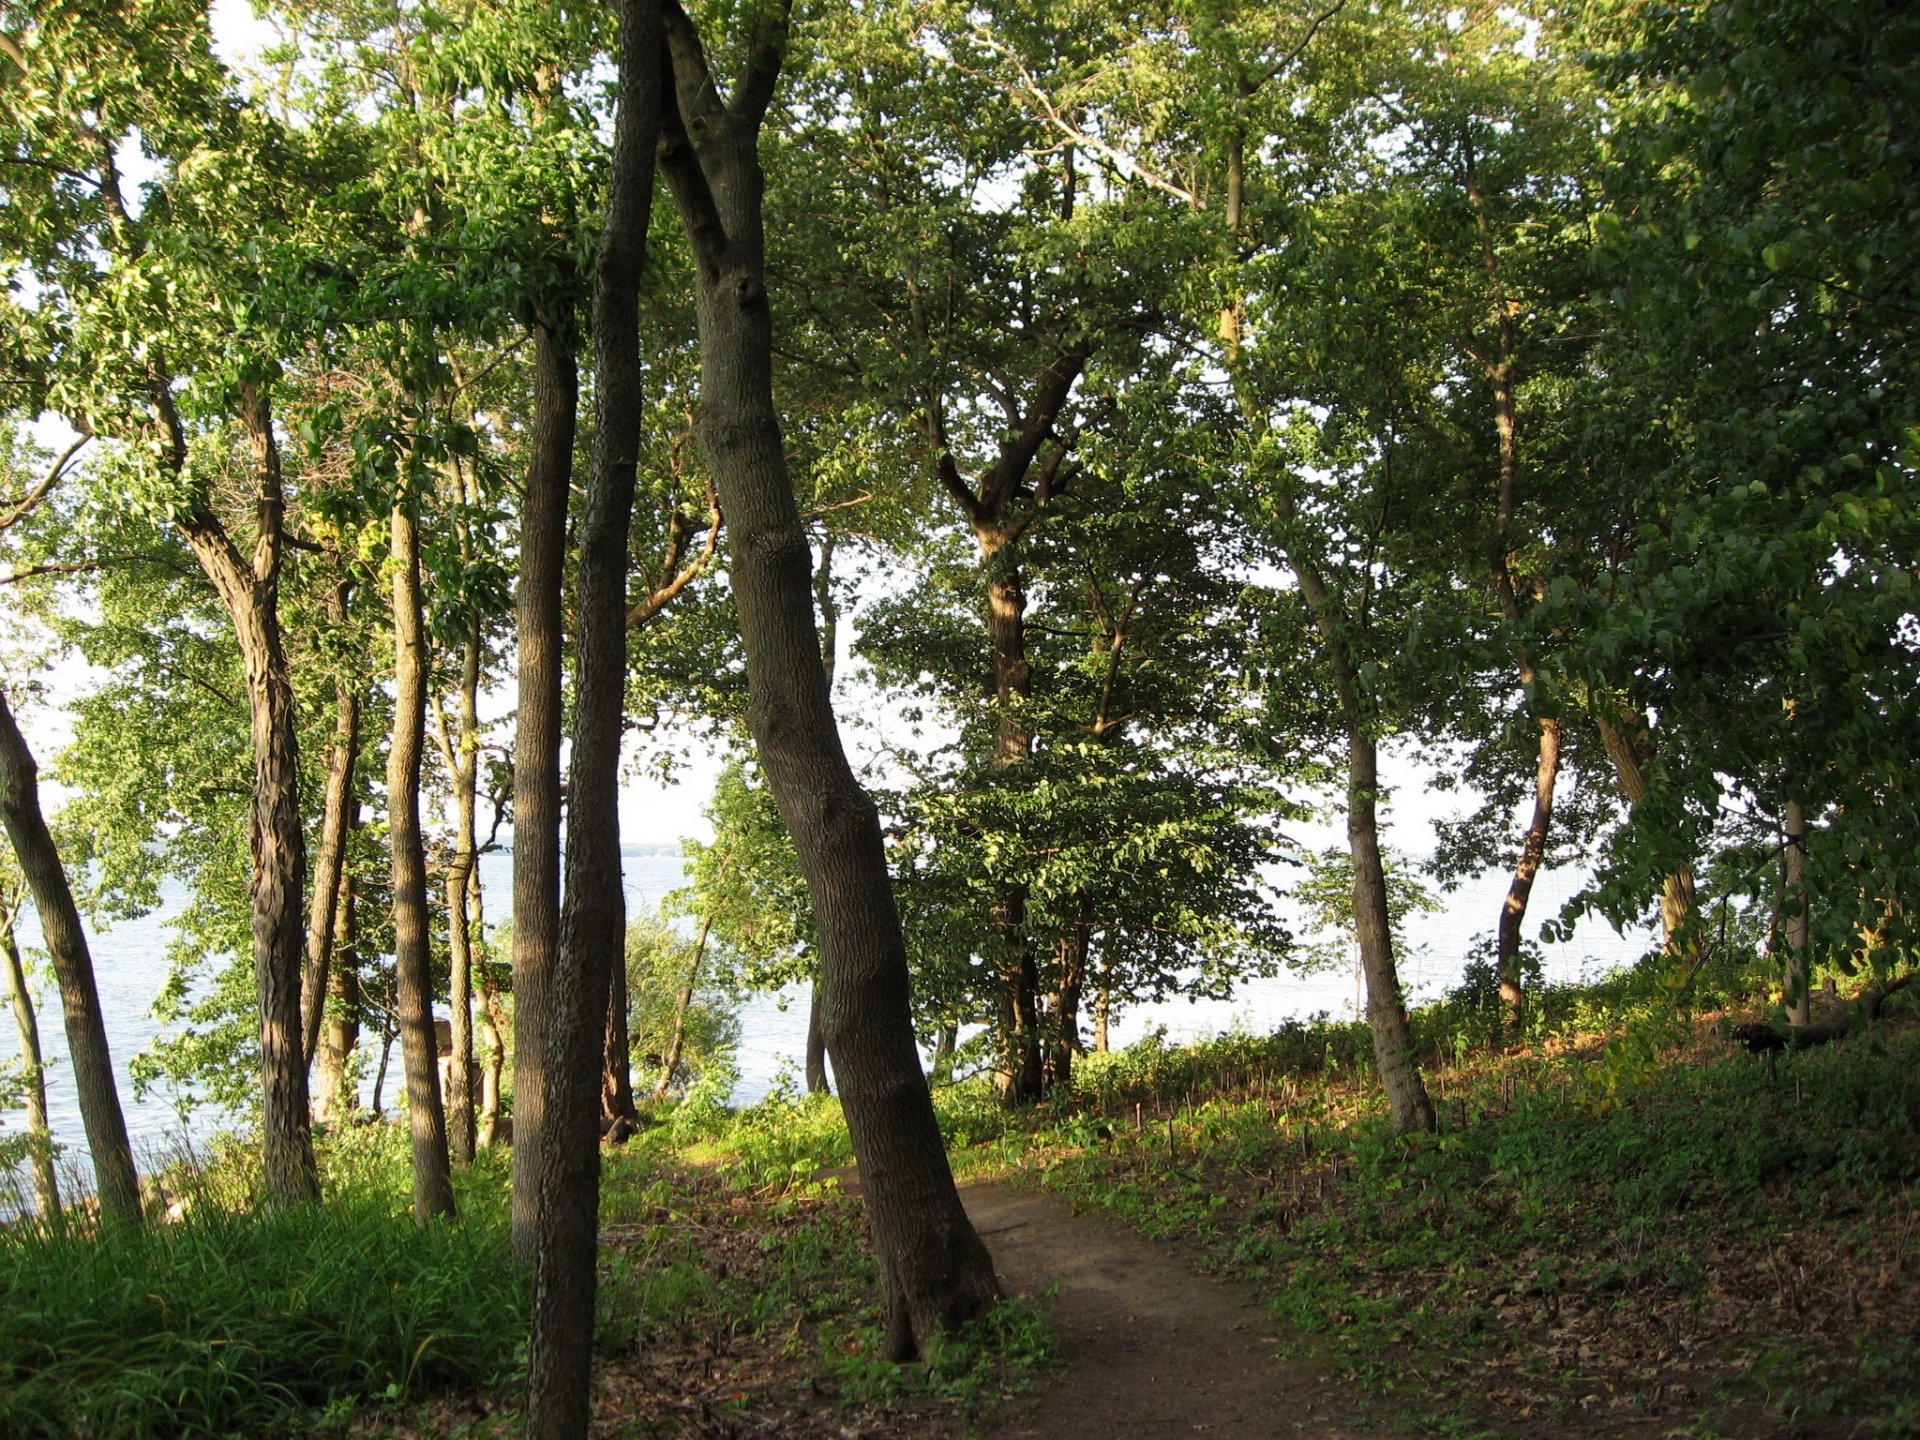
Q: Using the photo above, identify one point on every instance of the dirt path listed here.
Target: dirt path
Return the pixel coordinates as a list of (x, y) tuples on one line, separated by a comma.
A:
[(1149, 1346)]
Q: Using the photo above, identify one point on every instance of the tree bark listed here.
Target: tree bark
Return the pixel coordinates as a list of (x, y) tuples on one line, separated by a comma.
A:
[(1533, 849), (1798, 978), (412, 961), (339, 814), (1070, 978), (332, 1098), (461, 752), (937, 1272), (616, 1052), (100, 1115), (26, 1026), (536, 751), (250, 590), (593, 916), (816, 1056)]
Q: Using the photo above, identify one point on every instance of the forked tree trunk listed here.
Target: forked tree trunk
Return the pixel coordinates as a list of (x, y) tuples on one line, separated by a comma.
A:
[(100, 1115), (250, 590), (593, 917), (936, 1271), (26, 1026), (339, 814), (412, 962), (536, 751)]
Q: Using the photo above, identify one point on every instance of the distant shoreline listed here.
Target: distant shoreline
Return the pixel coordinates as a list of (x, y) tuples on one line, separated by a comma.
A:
[(639, 850)]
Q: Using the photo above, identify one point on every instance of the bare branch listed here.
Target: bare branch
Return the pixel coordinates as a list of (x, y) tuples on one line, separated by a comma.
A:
[(31, 501)]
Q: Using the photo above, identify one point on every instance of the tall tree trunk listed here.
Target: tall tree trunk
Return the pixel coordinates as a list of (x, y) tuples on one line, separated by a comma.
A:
[(339, 814), (412, 961), (536, 750), (1533, 847), (593, 916), (100, 1115), (461, 751), (1386, 1010), (1102, 1011), (936, 1271), (26, 1026), (1629, 745), (1798, 978), (250, 590)]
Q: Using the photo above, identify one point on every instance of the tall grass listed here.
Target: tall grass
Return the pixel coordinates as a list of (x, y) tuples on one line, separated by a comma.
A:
[(248, 1320)]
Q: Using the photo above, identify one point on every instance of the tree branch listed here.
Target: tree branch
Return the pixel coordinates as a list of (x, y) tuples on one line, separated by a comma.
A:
[(31, 501), (764, 58)]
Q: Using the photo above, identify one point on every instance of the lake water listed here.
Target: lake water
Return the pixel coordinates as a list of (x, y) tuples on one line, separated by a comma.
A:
[(130, 963)]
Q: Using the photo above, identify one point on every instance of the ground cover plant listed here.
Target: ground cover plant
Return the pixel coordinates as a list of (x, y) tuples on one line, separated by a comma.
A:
[(1635, 1231)]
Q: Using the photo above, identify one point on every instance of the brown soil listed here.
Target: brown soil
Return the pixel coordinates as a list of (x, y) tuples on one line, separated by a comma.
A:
[(1149, 1346)]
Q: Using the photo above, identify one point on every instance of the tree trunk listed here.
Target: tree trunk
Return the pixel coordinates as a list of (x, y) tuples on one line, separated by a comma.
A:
[(463, 764), (818, 1082), (536, 751), (944, 1044), (412, 961), (1629, 744), (937, 1273), (1102, 1007), (1070, 978), (340, 813), (593, 916), (1798, 980), (66, 940), (816, 1057), (1533, 850), (340, 1032), (616, 1052), (46, 1185), (493, 1026), (250, 590), (1386, 1011)]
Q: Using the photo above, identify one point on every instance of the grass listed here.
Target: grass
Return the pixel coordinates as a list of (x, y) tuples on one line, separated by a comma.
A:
[(238, 1320)]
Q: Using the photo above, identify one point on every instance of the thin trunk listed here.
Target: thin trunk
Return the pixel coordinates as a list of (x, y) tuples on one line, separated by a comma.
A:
[(380, 1074), (493, 1027), (1533, 847), (340, 1033), (1533, 850), (676, 1043), (100, 1115), (1798, 980), (816, 1056), (1102, 1007), (593, 916), (462, 754), (536, 751), (937, 1273), (250, 590), (412, 962), (1386, 1010), (1629, 744), (339, 814), (26, 1026), (1019, 1077)]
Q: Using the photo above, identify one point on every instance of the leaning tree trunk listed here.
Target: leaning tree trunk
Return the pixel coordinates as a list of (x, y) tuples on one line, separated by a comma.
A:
[(536, 750), (93, 1082), (593, 918), (46, 1185), (412, 961), (937, 1272), (250, 590), (339, 814), (1533, 849)]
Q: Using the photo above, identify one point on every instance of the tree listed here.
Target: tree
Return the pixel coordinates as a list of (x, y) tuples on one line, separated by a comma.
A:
[(114, 1176), (33, 1080), (936, 1271)]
